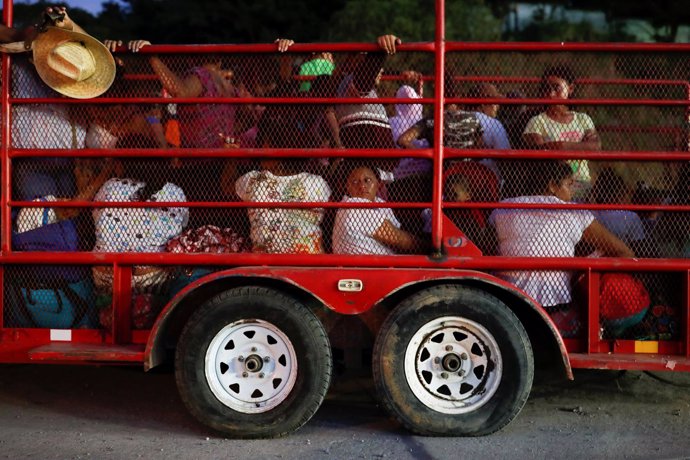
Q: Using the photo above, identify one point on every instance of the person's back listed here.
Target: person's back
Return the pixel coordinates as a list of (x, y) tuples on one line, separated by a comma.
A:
[(540, 233), (44, 126)]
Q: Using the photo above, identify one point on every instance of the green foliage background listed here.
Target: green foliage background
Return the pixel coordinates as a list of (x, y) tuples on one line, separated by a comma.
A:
[(255, 21)]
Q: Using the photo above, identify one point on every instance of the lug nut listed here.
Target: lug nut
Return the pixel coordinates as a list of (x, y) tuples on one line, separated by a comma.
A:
[(240, 359), (261, 375), (444, 375), (449, 348), (245, 375), (267, 359), (253, 348), (437, 360), (463, 356), (461, 372)]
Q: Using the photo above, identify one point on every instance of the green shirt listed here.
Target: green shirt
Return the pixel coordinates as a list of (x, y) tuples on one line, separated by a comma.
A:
[(314, 67)]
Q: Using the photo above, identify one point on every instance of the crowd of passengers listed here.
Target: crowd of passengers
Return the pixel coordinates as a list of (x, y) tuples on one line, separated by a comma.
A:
[(355, 230)]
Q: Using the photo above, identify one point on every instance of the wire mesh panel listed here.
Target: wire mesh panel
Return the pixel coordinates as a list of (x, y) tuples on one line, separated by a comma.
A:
[(643, 306), (49, 296), (222, 142)]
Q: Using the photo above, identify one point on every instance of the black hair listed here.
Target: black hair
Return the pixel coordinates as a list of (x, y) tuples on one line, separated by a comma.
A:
[(561, 71), (322, 86), (480, 90), (350, 165), (278, 130), (451, 86), (364, 76), (545, 173), (608, 187)]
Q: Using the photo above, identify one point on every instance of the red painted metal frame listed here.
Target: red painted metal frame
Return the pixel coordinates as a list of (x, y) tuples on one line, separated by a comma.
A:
[(379, 284), (122, 344), (6, 172), (439, 94)]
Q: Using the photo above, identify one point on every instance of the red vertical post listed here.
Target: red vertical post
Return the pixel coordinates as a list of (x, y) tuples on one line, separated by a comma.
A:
[(593, 316), (439, 102), (122, 304), (5, 176), (685, 314), (687, 119)]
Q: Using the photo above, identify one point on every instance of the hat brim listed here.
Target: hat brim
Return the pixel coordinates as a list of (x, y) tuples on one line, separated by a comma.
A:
[(95, 85)]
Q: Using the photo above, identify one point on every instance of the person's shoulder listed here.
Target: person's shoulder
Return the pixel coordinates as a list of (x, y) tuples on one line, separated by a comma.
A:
[(581, 116), (312, 177), (354, 199), (248, 176), (487, 120), (481, 116), (314, 182), (535, 199)]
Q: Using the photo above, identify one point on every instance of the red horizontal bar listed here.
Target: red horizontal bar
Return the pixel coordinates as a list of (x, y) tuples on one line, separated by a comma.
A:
[(582, 206), (216, 204), (578, 81), (241, 153), (630, 361), (575, 102), (607, 155), (226, 100), (271, 48), (449, 153), (483, 78), (482, 263), (641, 129), (420, 46), (86, 352), (539, 46), (351, 101), (344, 205)]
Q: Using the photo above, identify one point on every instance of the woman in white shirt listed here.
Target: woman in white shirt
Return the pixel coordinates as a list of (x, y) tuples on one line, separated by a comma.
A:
[(368, 230), (550, 233)]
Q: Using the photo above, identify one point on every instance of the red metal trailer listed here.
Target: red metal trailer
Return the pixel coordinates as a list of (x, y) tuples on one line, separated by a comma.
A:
[(251, 331)]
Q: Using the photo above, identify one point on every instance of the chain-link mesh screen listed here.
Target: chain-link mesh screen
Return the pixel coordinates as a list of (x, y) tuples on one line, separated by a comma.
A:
[(49, 296), (640, 307), (377, 193)]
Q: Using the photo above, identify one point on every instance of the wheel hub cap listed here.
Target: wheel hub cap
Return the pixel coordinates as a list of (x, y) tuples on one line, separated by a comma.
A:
[(251, 366), (453, 365)]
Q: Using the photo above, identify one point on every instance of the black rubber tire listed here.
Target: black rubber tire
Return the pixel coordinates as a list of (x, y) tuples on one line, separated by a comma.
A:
[(302, 328), (461, 302)]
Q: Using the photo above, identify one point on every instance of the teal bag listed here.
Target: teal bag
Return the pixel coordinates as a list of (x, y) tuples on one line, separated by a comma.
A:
[(59, 306)]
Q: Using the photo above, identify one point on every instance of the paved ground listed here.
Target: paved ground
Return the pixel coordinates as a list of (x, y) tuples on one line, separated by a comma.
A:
[(80, 412)]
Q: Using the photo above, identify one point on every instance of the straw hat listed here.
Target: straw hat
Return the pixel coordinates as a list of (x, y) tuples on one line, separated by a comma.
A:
[(74, 64)]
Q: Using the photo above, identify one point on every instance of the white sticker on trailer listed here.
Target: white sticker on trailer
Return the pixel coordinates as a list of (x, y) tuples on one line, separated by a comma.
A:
[(61, 335)]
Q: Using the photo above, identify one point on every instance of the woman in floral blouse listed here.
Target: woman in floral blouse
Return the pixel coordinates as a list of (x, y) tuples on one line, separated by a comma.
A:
[(282, 230)]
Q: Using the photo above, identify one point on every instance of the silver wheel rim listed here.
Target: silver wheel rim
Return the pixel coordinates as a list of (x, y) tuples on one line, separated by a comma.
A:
[(251, 366), (453, 365)]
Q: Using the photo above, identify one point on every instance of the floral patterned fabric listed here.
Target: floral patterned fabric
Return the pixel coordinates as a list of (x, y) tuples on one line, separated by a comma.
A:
[(137, 229), (284, 231), (208, 239)]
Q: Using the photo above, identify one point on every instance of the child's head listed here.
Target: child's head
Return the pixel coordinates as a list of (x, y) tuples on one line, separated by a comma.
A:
[(457, 189), (362, 182)]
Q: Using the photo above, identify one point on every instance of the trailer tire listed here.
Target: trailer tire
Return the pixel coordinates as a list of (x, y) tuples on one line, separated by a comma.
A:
[(253, 362), (453, 361)]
